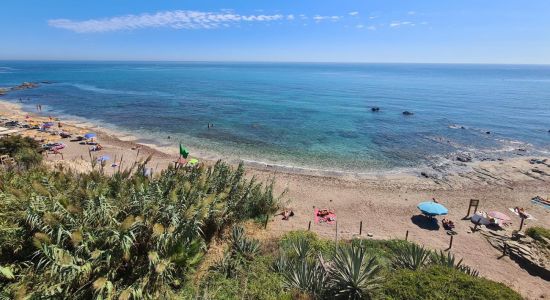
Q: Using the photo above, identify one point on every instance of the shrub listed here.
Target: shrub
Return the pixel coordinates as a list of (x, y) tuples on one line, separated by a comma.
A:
[(539, 234), (24, 150), (438, 282)]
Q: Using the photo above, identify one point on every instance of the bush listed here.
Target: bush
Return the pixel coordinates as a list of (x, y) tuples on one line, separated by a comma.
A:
[(539, 234), (438, 282), (24, 150)]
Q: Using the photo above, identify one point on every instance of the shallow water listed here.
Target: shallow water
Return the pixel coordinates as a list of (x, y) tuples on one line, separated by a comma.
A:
[(306, 115)]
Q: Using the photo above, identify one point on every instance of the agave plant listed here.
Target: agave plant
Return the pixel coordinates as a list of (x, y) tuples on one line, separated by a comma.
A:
[(411, 256), (448, 260), (306, 276), (241, 245), (353, 274)]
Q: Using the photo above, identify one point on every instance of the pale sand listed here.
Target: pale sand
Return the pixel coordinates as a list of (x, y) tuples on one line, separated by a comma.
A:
[(385, 202)]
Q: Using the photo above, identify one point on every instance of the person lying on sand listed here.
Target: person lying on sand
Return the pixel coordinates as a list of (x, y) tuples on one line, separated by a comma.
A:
[(448, 224), (521, 212), (287, 213), (97, 147), (324, 212)]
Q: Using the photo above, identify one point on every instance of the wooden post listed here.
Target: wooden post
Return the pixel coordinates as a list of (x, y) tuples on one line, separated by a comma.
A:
[(336, 237), (407, 236), (521, 224), (266, 220), (504, 249), (309, 226), (451, 242), (360, 227)]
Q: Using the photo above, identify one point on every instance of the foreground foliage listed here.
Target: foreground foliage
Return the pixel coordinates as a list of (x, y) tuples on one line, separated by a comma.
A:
[(25, 150), (439, 282), (539, 234), (83, 236)]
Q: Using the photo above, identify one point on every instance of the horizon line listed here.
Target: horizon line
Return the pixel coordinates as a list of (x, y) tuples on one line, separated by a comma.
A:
[(272, 61)]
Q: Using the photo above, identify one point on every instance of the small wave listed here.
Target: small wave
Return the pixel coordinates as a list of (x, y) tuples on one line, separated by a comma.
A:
[(95, 89)]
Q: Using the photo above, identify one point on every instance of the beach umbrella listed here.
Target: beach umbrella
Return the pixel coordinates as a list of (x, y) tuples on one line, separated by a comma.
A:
[(431, 208), (90, 135), (183, 151), (498, 215), (193, 161)]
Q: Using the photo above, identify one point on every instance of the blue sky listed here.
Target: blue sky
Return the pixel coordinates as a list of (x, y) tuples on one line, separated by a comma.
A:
[(442, 31)]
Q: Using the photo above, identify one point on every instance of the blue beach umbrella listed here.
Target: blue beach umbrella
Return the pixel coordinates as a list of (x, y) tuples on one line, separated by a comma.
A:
[(431, 208), (90, 135)]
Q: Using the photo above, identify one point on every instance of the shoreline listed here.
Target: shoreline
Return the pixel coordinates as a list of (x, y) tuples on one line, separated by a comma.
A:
[(385, 203), (434, 168)]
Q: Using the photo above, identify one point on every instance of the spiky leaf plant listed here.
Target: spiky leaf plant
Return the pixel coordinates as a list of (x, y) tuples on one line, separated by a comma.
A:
[(354, 274), (411, 256), (448, 260)]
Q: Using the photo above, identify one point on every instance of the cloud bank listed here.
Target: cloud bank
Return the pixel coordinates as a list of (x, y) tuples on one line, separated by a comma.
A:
[(178, 19)]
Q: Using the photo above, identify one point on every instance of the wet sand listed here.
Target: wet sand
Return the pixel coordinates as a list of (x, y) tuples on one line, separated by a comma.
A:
[(385, 202)]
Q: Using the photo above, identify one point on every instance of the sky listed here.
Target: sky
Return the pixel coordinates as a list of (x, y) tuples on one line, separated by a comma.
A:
[(428, 31)]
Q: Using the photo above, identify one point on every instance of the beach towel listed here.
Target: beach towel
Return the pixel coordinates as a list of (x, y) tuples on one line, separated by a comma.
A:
[(540, 201), (330, 218)]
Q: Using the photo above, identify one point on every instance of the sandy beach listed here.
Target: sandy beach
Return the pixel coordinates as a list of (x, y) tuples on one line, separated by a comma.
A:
[(385, 203)]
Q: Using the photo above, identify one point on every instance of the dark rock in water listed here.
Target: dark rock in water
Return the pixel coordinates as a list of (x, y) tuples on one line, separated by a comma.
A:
[(488, 132), (408, 113), (46, 82), (464, 158), (375, 109), (424, 174), (462, 127), (522, 150)]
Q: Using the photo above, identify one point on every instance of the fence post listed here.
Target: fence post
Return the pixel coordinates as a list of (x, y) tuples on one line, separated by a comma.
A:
[(336, 237), (504, 249), (407, 236), (266, 220), (360, 227), (451, 242), (309, 226), (521, 224)]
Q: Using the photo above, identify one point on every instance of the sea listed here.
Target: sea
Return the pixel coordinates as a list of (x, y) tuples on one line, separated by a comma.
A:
[(314, 116)]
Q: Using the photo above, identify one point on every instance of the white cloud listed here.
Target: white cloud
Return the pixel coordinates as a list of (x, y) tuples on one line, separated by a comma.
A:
[(411, 13), (372, 27), (354, 13), (290, 17), (177, 19), (318, 18), (360, 26), (397, 24), (373, 17)]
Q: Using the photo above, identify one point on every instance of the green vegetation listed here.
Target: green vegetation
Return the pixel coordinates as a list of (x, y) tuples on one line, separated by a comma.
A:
[(127, 236), (25, 150), (439, 282), (539, 234)]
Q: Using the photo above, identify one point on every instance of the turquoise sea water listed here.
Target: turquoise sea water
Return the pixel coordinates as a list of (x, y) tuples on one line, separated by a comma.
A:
[(305, 115)]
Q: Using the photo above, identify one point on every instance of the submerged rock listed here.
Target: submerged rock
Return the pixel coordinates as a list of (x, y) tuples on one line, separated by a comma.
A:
[(408, 113), (464, 158), (375, 109)]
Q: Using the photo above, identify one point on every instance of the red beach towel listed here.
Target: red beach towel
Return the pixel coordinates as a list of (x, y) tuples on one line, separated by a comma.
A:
[(330, 218)]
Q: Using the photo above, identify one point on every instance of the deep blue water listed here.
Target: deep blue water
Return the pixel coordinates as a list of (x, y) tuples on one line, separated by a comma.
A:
[(308, 115)]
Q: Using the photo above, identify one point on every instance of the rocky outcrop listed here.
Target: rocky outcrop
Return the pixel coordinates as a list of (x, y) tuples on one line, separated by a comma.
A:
[(25, 85), (527, 252)]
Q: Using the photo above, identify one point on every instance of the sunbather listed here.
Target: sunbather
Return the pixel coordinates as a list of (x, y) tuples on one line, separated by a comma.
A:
[(448, 224), (97, 147), (324, 212), (287, 213)]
